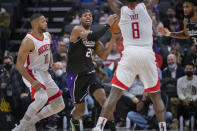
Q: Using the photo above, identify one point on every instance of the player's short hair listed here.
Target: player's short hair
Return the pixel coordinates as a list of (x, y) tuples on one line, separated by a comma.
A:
[(191, 1), (35, 16), (85, 11)]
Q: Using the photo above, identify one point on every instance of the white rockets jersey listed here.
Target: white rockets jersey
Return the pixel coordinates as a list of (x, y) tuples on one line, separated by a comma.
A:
[(136, 26), (39, 59)]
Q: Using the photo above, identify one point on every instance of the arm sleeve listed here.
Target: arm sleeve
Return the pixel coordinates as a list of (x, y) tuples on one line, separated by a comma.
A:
[(94, 36)]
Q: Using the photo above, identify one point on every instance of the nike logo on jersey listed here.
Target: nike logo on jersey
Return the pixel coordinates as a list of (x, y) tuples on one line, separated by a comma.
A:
[(43, 48)]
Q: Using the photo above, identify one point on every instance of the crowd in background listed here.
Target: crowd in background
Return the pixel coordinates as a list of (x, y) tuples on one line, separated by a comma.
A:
[(176, 61)]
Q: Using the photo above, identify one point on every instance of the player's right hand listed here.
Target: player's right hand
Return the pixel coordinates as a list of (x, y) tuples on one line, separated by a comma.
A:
[(112, 19), (163, 31), (36, 85)]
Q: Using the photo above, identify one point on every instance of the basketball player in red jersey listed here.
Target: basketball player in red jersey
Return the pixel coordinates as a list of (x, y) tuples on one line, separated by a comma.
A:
[(34, 58)]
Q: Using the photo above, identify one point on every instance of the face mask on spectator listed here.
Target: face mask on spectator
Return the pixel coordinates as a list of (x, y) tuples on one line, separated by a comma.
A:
[(59, 72), (189, 73), (172, 67), (66, 40), (8, 66)]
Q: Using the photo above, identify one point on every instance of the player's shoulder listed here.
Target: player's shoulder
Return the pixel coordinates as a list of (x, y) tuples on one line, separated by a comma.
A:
[(27, 43), (78, 28), (27, 39)]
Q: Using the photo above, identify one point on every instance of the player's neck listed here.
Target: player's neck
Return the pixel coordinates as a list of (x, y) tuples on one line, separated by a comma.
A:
[(37, 34), (132, 5), (86, 27)]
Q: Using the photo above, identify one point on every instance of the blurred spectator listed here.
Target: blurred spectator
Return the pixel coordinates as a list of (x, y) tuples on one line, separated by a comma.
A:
[(66, 39), (61, 54), (187, 94), (179, 10), (165, 47), (191, 56), (136, 101), (156, 23), (114, 54), (145, 119), (171, 73), (98, 64), (2, 10), (58, 75), (4, 32), (13, 94), (76, 20), (103, 19), (176, 50)]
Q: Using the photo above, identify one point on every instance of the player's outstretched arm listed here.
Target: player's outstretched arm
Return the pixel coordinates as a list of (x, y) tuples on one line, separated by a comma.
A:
[(26, 47), (96, 35), (115, 6), (103, 52), (179, 35)]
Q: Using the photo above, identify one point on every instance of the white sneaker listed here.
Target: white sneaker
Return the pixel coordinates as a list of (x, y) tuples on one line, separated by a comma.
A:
[(96, 129), (18, 128)]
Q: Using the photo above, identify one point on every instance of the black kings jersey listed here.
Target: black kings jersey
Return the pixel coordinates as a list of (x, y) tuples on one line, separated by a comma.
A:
[(80, 57), (192, 31)]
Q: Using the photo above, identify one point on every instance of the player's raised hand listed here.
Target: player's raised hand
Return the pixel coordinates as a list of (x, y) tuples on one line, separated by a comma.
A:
[(36, 85), (111, 19), (163, 31)]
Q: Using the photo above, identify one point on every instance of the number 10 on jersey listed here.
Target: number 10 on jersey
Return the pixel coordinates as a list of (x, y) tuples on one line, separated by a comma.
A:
[(135, 30)]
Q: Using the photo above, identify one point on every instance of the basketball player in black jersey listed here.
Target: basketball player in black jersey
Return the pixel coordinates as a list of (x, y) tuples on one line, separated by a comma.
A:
[(81, 77), (190, 23)]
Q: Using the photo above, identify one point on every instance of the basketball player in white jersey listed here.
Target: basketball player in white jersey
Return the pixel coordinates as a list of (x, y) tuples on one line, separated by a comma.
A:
[(34, 58), (137, 58)]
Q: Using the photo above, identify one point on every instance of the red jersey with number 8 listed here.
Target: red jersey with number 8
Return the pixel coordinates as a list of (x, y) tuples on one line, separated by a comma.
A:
[(39, 59), (136, 26)]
